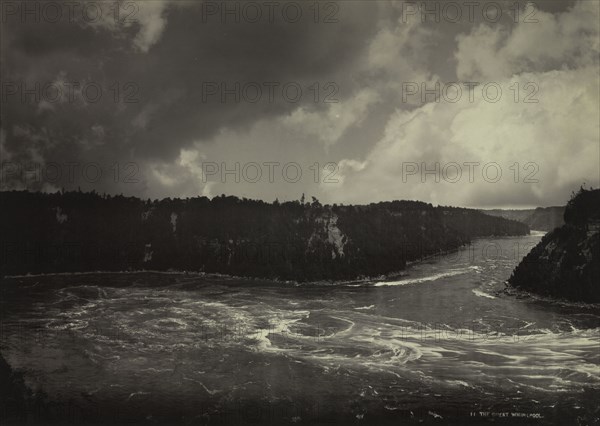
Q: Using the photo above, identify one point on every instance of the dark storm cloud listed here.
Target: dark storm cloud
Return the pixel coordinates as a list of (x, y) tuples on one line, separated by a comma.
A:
[(167, 80), (43, 39), (184, 61)]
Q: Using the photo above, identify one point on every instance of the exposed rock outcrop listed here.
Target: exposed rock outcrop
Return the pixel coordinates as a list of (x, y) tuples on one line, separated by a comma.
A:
[(14, 395), (566, 262)]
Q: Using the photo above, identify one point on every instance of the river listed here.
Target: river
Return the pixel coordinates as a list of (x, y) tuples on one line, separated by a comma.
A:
[(443, 343)]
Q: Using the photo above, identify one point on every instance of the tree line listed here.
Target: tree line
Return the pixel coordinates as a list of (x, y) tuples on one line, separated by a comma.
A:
[(294, 240)]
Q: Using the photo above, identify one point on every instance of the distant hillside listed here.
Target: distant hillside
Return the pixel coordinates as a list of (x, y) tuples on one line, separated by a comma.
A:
[(539, 219), (86, 232), (566, 262)]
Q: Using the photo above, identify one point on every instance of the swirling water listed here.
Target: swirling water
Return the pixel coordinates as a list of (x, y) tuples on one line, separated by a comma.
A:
[(443, 342)]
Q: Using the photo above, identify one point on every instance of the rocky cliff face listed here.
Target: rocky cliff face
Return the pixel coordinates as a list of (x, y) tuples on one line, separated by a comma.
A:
[(13, 395), (566, 262)]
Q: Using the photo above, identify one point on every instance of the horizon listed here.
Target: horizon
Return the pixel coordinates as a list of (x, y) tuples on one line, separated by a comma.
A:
[(307, 198)]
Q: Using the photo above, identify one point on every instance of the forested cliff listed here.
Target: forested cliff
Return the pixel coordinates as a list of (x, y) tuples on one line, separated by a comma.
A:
[(75, 231), (566, 262)]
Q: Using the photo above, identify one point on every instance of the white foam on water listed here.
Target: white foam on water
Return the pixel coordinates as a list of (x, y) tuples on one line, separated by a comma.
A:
[(69, 325), (534, 233), (210, 391), (136, 394), (451, 273), (458, 383), (480, 293)]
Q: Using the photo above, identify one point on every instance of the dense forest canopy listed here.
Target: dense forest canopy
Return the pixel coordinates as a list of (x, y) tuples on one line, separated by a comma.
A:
[(77, 231)]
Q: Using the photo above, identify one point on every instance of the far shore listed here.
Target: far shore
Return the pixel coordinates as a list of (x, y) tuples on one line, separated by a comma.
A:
[(219, 276)]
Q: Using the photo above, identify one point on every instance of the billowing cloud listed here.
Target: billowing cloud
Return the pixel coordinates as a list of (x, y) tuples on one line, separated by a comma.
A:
[(331, 124), (541, 133), (444, 152), (152, 22), (552, 41), (175, 86)]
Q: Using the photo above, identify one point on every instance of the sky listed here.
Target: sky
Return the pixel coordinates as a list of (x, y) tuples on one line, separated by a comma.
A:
[(478, 104)]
